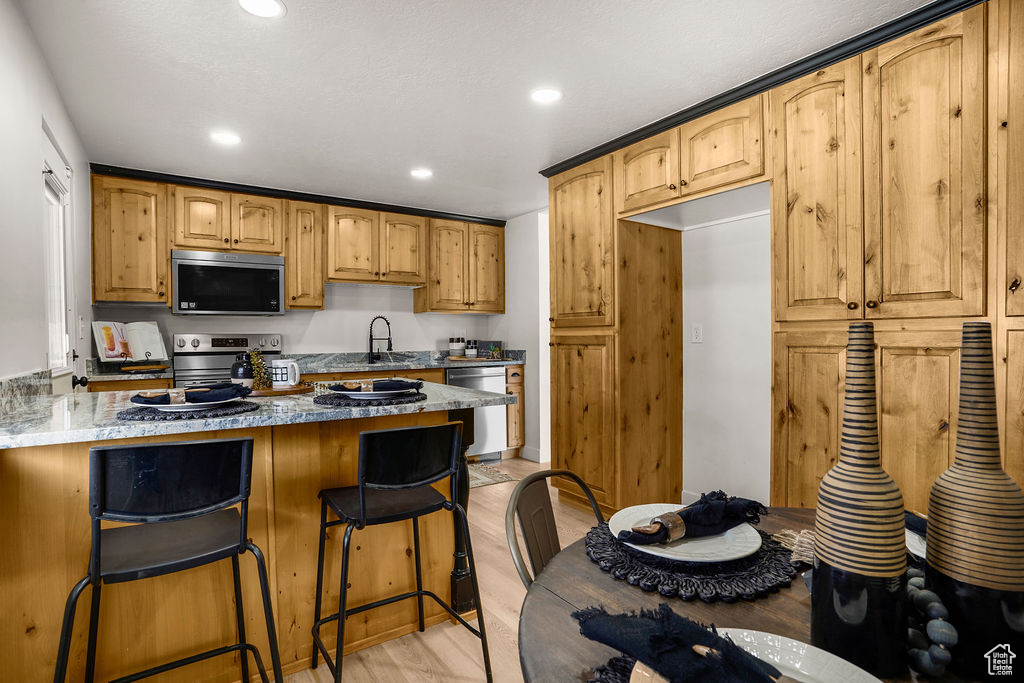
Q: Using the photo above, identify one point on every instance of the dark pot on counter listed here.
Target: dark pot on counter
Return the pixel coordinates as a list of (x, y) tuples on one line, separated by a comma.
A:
[(241, 370)]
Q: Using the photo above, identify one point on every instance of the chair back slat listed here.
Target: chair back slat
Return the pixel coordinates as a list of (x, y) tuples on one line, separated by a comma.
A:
[(409, 457), (537, 524), (161, 482)]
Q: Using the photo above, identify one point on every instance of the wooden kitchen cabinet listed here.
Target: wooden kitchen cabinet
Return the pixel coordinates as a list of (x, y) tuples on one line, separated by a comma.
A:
[(515, 414), (257, 224), (917, 375), (403, 249), (723, 148), (303, 259), (353, 249), (465, 269), (816, 211), (131, 256), (1010, 152), (130, 384), (1013, 425), (582, 252), (925, 153), (202, 218), (647, 172)]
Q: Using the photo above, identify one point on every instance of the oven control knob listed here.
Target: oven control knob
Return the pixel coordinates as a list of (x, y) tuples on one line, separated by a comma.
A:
[(263, 341), (180, 342), (274, 341), (195, 343)]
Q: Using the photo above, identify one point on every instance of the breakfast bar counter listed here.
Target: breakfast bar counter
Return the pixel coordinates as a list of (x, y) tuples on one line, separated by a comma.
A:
[(300, 447)]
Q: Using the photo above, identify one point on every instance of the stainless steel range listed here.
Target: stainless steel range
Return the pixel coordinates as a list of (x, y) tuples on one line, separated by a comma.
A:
[(206, 358)]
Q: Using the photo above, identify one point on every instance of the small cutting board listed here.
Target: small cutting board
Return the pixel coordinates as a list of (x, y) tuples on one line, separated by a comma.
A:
[(300, 389)]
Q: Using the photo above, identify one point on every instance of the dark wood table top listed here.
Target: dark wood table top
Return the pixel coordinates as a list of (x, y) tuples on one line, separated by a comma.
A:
[(552, 649)]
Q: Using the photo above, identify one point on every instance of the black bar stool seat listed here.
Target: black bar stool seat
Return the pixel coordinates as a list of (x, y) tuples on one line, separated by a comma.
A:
[(136, 552), (383, 505)]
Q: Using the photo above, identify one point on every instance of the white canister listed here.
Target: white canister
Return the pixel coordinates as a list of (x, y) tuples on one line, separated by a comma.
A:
[(284, 373)]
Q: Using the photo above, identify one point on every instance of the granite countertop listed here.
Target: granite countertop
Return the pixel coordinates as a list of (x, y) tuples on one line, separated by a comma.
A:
[(73, 418)]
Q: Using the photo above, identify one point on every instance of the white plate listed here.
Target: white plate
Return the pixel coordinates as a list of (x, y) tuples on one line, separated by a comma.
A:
[(183, 407), (799, 661), (916, 544), (740, 541)]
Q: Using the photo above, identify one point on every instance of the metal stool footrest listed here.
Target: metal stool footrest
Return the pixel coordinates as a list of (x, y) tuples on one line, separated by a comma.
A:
[(185, 661)]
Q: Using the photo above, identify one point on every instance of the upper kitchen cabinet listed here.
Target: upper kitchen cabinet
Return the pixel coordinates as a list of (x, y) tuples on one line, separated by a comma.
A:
[(352, 244), (257, 224), (465, 269), (202, 218), (647, 172), (816, 210), (582, 228), (303, 257), (1010, 150), (924, 197), (403, 249), (724, 148), (130, 256)]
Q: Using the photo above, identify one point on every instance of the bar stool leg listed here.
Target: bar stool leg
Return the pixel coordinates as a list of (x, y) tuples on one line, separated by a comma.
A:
[(94, 624), (476, 592), (240, 616), (342, 594), (319, 577), (61, 668), (419, 571), (268, 611)]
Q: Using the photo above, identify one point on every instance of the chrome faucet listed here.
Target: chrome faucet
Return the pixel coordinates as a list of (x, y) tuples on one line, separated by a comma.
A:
[(372, 356)]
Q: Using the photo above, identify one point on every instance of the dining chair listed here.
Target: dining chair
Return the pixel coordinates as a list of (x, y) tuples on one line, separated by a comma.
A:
[(531, 504)]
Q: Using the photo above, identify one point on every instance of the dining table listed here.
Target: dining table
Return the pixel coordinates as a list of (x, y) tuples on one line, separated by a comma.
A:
[(551, 647)]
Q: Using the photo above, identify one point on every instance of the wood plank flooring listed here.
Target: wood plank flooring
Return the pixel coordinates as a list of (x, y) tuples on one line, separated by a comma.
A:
[(448, 652)]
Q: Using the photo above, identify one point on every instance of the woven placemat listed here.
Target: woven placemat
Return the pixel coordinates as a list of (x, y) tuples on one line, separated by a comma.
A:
[(342, 401), (748, 578), (151, 414)]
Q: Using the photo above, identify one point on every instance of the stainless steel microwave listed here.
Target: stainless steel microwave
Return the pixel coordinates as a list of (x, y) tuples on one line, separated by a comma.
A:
[(217, 283)]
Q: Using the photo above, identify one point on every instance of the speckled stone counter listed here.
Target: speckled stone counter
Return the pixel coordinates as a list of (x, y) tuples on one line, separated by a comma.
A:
[(73, 418), (315, 363)]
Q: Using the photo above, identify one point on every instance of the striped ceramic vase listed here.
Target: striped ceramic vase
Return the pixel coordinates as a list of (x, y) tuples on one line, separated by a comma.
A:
[(859, 584), (976, 523)]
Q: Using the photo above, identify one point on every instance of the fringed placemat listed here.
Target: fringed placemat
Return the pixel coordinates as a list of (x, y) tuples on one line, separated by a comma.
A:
[(617, 670), (151, 414), (749, 578), (342, 401)]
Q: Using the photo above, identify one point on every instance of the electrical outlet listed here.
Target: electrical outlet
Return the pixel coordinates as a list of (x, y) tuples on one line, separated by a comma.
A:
[(696, 334)]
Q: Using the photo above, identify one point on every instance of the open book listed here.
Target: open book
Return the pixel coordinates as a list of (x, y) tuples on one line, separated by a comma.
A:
[(115, 341)]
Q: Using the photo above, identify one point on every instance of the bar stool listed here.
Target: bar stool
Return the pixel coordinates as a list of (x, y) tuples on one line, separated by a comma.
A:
[(396, 468), (180, 496)]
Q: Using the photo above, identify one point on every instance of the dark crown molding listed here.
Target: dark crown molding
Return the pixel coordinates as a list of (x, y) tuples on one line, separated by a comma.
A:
[(837, 53), (138, 174)]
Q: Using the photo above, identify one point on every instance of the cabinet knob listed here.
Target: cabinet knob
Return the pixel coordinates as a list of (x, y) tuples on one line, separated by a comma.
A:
[(682, 183), (376, 272), (293, 298), (852, 305), (236, 241), (672, 186), (159, 293), (551, 320), (227, 241), (551, 343), (871, 304), (384, 274), (1015, 285)]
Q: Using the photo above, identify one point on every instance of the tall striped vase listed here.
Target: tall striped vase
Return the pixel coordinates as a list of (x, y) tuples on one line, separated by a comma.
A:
[(859, 581), (976, 523)]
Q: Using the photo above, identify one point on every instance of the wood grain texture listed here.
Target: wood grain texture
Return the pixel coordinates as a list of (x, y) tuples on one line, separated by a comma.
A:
[(648, 172), (486, 268), (202, 218), (1010, 151), (435, 375), (515, 415), (257, 224), (130, 384), (130, 246), (1013, 451), (816, 207), (403, 249), (304, 255), (925, 198), (353, 249), (723, 148)]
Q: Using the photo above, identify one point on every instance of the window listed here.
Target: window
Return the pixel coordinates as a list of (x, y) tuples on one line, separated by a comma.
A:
[(56, 210)]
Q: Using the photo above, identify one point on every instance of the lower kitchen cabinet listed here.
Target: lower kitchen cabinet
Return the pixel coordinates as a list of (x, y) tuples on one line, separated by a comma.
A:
[(917, 376), (1013, 426), (130, 384), (516, 414)]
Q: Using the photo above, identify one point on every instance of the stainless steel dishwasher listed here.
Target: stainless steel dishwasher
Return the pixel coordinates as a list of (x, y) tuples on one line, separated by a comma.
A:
[(490, 424)]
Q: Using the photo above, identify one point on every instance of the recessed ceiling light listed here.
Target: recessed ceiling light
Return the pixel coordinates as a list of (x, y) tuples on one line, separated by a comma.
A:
[(546, 95), (268, 9), (421, 173), (225, 137)]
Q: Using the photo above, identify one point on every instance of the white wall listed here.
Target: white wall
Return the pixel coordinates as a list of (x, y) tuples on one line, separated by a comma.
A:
[(30, 100), (525, 324), (342, 325)]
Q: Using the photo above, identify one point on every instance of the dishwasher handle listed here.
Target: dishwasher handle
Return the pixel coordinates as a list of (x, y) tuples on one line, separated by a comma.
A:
[(473, 373)]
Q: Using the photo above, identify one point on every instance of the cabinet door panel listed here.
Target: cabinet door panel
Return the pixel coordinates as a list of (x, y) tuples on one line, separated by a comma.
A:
[(257, 224), (1013, 426), (130, 245), (582, 246), (486, 268), (352, 244), (403, 242), (583, 411), (1011, 148), (925, 185), (447, 285), (202, 218), (514, 417), (723, 147), (303, 261), (817, 216), (647, 172)]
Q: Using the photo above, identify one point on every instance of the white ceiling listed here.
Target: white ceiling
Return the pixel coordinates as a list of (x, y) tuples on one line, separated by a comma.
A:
[(344, 97)]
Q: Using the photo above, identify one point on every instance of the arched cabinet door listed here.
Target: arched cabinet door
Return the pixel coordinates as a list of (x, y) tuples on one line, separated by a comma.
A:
[(722, 148), (352, 244)]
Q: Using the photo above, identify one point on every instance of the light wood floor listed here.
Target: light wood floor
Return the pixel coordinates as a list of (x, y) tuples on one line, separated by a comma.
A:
[(449, 652)]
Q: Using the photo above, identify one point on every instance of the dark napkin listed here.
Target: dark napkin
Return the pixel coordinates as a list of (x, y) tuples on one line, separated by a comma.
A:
[(714, 513), (205, 394), (385, 385), (665, 641), (916, 523)]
